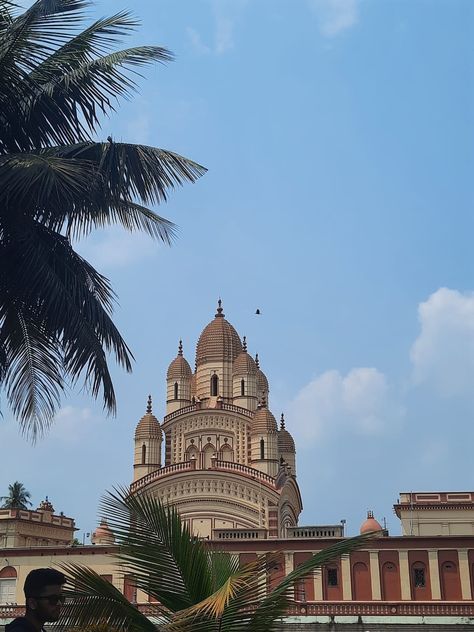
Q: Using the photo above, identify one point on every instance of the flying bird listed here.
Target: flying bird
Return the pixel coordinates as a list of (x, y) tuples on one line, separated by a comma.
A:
[(258, 312)]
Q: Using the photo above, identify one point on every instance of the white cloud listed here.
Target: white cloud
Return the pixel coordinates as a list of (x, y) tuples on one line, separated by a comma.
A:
[(115, 248), (335, 16), (70, 424), (224, 34), (196, 41), (358, 403), (443, 353), (225, 16)]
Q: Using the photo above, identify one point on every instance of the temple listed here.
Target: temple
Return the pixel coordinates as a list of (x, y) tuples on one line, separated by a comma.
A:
[(227, 466)]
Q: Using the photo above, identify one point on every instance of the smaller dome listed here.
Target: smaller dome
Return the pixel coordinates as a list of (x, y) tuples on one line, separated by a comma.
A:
[(262, 382), (179, 367), (148, 426), (263, 421), (45, 505), (244, 364), (103, 534), (285, 440), (371, 524)]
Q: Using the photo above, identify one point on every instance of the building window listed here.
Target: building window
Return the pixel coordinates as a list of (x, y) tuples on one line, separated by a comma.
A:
[(214, 385), (262, 449), (419, 580), (7, 585), (176, 390), (143, 454), (242, 387), (332, 576), (300, 591)]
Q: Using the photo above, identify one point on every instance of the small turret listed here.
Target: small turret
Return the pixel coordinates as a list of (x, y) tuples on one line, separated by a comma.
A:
[(148, 439), (178, 382), (244, 380)]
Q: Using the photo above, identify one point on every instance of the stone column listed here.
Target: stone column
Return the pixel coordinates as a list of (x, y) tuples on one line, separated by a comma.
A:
[(375, 575), (464, 574), (434, 574), (346, 579), (405, 576)]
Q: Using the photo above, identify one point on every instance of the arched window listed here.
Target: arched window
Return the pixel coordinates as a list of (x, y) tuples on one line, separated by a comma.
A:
[(242, 387), (391, 590), (176, 390), (450, 582), (214, 385), (143, 454), (7, 585), (262, 449), (207, 454), (361, 586)]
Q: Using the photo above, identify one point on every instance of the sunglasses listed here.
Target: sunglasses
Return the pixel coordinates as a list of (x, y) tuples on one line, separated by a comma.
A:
[(53, 600)]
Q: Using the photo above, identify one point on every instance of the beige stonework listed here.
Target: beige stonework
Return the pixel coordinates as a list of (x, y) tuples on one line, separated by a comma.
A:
[(223, 466)]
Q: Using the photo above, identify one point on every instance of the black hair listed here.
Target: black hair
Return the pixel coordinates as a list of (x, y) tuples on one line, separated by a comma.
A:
[(37, 580)]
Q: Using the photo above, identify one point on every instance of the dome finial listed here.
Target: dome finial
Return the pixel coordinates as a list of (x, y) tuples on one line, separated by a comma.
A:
[(180, 347), (148, 406), (219, 309), (245, 343), (282, 422), (257, 361)]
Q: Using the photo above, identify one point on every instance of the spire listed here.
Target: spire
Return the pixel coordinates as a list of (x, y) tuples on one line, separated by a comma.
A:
[(282, 422), (257, 362), (180, 347), (148, 406), (245, 344), (220, 310)]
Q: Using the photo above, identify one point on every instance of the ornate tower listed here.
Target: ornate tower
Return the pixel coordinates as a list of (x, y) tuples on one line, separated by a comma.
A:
[(148, 439), (222, 458), (244, 380), (178, 382), (286, 447), (264, 441), (217, 348)]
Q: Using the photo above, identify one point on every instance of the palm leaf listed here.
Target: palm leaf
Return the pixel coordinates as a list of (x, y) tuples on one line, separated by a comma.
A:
[(158, 549), (93, 599)]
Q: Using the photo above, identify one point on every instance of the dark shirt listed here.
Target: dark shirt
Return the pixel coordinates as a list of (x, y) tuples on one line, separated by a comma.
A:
[(20, 625)]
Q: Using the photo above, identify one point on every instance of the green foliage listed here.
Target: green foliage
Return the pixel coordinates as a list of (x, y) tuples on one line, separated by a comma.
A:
[(18, 497), (57, 184), (197, 588)]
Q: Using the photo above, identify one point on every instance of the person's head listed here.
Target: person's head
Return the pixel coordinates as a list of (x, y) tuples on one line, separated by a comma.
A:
[(43, 593)]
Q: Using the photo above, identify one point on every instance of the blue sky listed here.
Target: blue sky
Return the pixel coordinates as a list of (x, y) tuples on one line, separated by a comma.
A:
[(338, 135)]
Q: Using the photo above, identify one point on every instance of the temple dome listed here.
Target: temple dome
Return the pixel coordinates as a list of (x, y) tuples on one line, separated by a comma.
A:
[(103, 534), (244, 364), (218, 341), (371, 524), (286, 442), (263, 421), (148, 426), (179, 367)]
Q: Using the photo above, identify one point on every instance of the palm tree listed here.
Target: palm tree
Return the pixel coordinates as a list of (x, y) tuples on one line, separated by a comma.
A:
[(57, 183), (18, 497), (196, 588)]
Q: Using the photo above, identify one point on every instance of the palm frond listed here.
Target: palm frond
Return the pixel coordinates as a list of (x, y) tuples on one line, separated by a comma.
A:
[(158, 549), (93, 599), (69, 304), (33, 375)]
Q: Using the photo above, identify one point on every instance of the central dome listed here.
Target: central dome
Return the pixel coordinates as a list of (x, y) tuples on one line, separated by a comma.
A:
[(218, 341)]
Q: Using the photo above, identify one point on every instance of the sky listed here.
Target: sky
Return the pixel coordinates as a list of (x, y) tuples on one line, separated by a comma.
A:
[(338, 137)]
